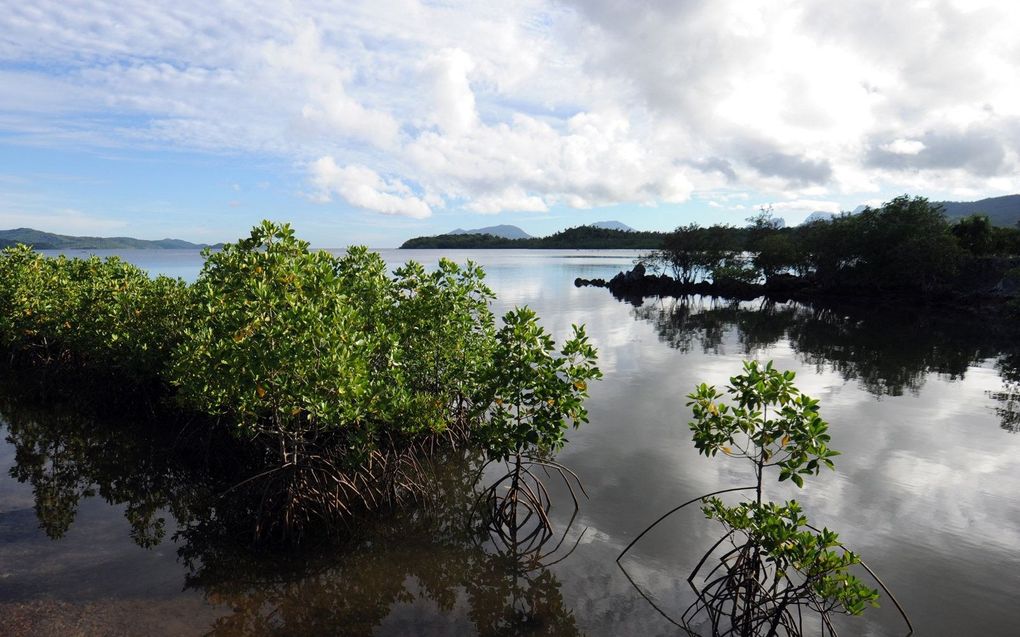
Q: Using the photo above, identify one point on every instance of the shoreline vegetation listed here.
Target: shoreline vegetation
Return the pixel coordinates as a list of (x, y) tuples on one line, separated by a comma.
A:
[(340, 379), (581, 237), (904, 251), (999, 215)]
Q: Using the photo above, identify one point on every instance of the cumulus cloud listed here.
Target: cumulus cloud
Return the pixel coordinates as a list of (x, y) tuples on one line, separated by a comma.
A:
[(978, 151), (797, 170), (593, 161), (803, 205), (903, 146), (454, 101), (533, 104), (510, 199), (364, 188), (321, 76)]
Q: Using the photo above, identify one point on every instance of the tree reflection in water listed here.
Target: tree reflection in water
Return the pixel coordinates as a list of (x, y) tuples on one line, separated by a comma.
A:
[(889, 351), (1008, 398), (69, 449)]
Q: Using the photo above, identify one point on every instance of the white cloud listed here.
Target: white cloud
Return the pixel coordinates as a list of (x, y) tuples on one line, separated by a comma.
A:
[(510, 199), (810, 205), (321, 75), (529, 104), (454, 108), (594, 161), (364, 188), (904, 146)]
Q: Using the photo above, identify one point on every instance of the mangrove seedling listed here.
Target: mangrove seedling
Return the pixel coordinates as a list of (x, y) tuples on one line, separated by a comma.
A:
[(778, 570), (532, 395)]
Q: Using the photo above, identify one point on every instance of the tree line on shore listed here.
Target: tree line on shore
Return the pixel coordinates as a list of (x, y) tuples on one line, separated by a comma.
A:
[(907, 245), (581, 237)]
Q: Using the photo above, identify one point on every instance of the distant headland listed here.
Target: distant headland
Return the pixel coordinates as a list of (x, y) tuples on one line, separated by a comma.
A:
[(593, 237), (40, 240)]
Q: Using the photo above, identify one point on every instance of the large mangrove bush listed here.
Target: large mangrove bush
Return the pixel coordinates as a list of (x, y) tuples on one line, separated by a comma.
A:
[(342, 374), (289, 342)]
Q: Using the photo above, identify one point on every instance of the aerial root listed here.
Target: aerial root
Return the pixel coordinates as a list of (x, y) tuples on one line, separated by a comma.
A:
[(316, 488), (744, 594), (517, 506)]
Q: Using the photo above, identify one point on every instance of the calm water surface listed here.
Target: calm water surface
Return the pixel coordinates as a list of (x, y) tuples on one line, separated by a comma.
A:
[(924, 408)]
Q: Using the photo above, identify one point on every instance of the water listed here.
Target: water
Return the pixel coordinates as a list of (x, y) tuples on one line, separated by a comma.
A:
[(923, 406)]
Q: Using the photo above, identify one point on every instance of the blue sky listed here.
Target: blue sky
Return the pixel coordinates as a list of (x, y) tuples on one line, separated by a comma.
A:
[(378, 121)]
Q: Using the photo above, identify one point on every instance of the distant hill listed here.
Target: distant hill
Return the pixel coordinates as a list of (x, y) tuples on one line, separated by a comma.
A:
[(1002, 211), (612, 225), (503, 231), (49, 241), (582, 237), (818, 215)]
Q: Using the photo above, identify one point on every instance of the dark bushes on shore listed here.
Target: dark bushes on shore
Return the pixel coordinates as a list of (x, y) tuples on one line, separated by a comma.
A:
[(905, 248)]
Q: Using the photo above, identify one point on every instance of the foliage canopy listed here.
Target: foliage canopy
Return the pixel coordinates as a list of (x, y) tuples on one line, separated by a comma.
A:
[(301, 348), (905, 245)]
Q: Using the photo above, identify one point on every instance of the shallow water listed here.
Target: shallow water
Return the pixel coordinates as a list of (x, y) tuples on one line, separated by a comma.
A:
[(923, 407)]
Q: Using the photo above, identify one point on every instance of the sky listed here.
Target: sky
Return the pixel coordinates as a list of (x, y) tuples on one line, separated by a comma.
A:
[(373, 122)]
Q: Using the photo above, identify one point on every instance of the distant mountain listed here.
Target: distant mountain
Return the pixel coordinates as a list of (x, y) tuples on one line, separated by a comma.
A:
[(1002, 211), (48, 241), (612, 225), (503, 231), (818, 215)]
